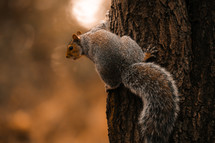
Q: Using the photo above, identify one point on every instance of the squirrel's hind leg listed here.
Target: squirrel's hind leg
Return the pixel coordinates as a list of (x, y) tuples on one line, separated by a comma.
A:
[(149, 52)]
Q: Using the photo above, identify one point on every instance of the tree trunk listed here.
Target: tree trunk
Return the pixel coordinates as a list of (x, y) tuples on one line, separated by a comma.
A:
[(183, 32)]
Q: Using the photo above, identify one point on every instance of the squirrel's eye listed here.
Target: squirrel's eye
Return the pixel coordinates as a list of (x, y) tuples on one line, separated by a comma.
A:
[(70, 48)]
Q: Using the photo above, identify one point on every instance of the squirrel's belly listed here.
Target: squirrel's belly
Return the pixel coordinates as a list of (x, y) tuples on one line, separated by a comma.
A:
[(110, 74)]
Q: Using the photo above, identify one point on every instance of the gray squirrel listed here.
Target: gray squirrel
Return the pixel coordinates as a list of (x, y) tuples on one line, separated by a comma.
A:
[(120, 60)]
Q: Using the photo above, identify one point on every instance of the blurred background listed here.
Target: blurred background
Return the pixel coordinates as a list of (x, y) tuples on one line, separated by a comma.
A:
[(44, 97)]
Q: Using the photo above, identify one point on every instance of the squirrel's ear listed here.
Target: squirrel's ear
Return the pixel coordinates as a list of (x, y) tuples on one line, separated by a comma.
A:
[(75, 37), (79, 33)]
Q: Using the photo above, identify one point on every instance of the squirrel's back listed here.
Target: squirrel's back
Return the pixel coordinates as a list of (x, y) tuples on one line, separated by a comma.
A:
[(107, 46)]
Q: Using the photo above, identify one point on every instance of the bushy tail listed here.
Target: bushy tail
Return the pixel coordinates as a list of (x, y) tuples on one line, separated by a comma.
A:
[(157, 89)]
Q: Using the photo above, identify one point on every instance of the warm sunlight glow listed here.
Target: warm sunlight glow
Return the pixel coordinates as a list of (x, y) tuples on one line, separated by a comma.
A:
[(86, 11)]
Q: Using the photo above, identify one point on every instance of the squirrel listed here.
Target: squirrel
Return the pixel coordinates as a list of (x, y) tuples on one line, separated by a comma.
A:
[(120, 60)]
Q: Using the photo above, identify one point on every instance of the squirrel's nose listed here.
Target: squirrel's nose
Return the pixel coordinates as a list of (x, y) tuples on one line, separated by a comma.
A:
[(67, 56)]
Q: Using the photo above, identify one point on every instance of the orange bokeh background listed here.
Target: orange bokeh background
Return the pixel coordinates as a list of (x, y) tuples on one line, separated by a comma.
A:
[(44, 97)]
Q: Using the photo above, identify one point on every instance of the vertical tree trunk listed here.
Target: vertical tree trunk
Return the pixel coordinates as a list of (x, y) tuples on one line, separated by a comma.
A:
[(184, 35)]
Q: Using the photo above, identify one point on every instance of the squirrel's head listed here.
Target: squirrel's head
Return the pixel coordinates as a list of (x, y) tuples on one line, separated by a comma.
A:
[(74, 49)]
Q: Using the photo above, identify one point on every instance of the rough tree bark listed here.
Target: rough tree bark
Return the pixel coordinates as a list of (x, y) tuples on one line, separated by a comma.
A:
[(183, 32)]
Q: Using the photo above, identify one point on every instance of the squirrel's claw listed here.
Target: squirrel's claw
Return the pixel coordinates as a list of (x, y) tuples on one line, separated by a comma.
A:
[(151, 49), (109, 89), (150, 52)]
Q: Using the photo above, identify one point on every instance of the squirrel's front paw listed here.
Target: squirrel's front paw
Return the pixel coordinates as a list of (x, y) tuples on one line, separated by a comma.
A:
[(108, 88)]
